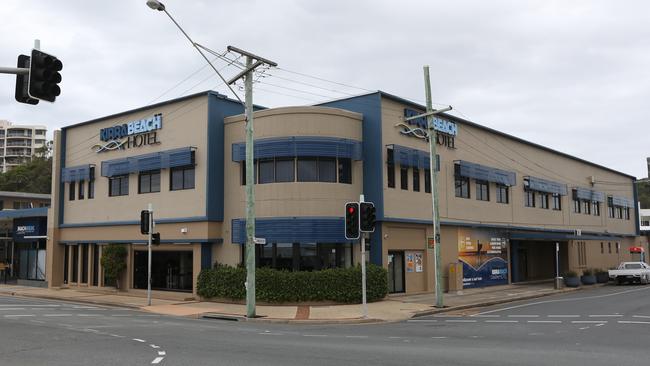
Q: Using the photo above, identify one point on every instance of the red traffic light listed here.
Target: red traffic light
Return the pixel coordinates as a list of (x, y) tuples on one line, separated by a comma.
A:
[(351, 209)]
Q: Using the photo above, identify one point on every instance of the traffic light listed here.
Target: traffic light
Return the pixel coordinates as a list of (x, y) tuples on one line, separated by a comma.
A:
[(155, 239), (352, 220), (44, 76), (368, 217), (145, 221), (22, 83)]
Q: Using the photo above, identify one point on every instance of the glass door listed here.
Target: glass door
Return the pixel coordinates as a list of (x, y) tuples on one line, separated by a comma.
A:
[(396, 272)]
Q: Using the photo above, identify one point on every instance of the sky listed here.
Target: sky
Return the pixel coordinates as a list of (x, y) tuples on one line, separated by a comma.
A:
[(570, 75)]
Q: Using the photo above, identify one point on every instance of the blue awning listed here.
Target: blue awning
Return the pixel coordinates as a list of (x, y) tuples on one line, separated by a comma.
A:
[(622, 201), (76, 173), (317, 146), (410, 157), (293, 230), (486, 173), (25, 212), (543, 185), (588, 194), (154, 161)]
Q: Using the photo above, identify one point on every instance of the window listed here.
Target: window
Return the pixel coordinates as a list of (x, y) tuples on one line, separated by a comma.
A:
[(327, 170), (81, 189), (2, 205), (91, 183), (595, 208), (502, 193), (482, 190), (182, 178), (618, 212), (576, 205), (557, 202), (543, 200), (416, 179), (71, 194), (582, 253), (617, 247), (427, 180), (307, 170), (285, 170), (390, 164), (610, 207), (267, 171), (345, 170), (149, 182), (303, 256), (602, 248), (626, 212), (462, 187), (404, 177), (243, 172), (19, 205), (529, 198), (118, 185), (609, 248)]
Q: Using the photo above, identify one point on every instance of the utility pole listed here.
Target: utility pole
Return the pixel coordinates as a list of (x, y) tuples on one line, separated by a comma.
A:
[(150, 209), (434, 182), (252, 62)]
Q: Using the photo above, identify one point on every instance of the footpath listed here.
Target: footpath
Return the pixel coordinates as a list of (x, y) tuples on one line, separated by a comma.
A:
[(393, 308)]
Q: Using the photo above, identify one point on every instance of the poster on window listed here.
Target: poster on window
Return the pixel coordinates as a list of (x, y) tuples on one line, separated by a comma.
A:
[(484, 256), (418, 262), (410, 262)]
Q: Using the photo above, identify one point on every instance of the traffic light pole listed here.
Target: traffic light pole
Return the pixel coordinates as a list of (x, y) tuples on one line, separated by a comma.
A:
[(150, 208), (364, 304)]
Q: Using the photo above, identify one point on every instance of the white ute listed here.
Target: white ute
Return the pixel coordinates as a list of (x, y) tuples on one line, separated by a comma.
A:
[(631, 272)]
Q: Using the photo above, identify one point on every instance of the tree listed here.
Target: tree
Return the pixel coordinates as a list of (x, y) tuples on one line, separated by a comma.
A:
[(643, 188), (114, 262), (34, 176)]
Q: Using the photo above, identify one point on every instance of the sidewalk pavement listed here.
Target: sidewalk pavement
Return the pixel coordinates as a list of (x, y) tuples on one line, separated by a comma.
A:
[(393, 308)]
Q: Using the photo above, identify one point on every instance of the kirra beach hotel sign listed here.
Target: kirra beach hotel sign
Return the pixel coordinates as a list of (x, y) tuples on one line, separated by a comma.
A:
[(446, 130), (131, 134)]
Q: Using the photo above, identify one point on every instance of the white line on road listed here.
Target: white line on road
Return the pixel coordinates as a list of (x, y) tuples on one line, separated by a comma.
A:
[(162, 353), (37, 321), (632, 322), (3, 309), (564, 300), (485, 316), (460, 321), (600, 325), (116, 335), (583, 328), (356, 336), (48, 315), (606, 316), (563, 316), (139, 340), (439, 337), (314, 335), (157, 360), (523, 316), (502, 321), (545, 321), (17, 315), (641, 316), (269, 333), (154, 346), (30, 305), (87, 314), (588, 321), (121, 315)]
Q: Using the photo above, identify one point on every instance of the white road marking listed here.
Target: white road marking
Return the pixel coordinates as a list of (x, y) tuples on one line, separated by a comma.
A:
[(545, 321), (30, 305), (523, 316), (116, 335), (632, 322), (606, 316), (269, 333), (314, 335), (460, 321), (600, 325), (162, 353), (396, 337), (588, 321), (87, 314), (139, 340), (37, 321), (502, 321), (120, 315), (564, 300), (439, 337), (356, 336), (49, 315), (157, 360), (563, 316), (17, 315), (3, 309), (583, 328), (641, 316), (485, 316), (421, 321), (154, 346)]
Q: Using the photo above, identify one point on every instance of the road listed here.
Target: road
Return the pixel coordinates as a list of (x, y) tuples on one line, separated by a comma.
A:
[(602, 326)]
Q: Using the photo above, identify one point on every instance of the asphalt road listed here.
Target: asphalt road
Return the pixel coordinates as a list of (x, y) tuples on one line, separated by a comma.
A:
[(603, 326)]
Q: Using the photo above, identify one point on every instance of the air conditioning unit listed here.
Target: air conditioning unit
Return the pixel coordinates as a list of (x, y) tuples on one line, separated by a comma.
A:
[(578, 232)]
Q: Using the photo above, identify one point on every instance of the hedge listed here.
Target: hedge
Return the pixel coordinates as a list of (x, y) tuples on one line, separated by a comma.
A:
[(277, 286)]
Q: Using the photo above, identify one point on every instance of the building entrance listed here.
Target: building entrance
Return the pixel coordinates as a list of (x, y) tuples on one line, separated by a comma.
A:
[(535, 260), (396, 272), (170, 270)]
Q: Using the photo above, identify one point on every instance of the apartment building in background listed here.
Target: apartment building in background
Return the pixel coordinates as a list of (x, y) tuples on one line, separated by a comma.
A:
[(18, 143)]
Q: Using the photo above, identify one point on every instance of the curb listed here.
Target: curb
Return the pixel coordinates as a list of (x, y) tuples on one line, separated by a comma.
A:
[(263, 319), (73, 300)]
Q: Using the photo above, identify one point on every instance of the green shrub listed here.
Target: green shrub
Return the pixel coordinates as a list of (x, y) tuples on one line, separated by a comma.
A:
[(588, 272), (277, 286), (570, 274)]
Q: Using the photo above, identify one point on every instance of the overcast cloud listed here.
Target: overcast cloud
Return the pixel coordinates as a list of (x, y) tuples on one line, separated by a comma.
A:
[(570, 75)]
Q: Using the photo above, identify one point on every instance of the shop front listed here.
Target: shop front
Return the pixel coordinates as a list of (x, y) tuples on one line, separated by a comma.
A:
[(29, 236), (171, 270), (484, 256)]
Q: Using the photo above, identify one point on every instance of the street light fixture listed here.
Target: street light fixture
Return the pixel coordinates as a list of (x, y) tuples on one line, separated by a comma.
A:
[(156, 5)]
